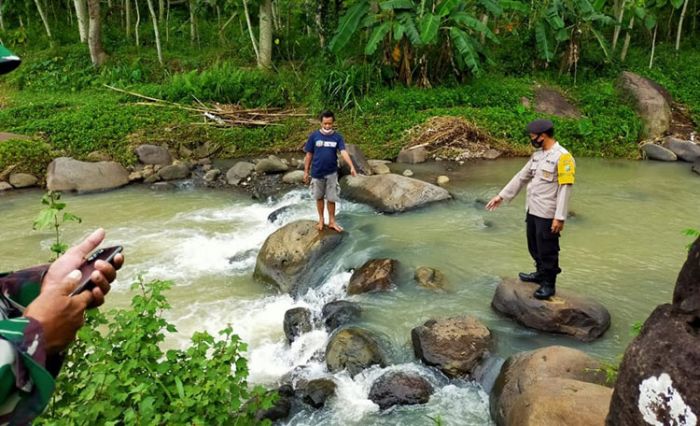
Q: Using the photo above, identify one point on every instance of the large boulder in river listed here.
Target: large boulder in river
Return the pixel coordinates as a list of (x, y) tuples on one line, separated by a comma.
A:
[(340, 312), (659, 380), (649, 100), (454, 345), (400, 388), (522, 371), (271, 165), (414, 155), (392, 193), (297, 321), (174, 172), (566, 313), (359, 160), (67, 174), (656, 152), (316, 392), (291, 253), (374, 275), (684, 150), (23, 180), (240, 171), (353, 349), (551, 101), (430, 278), (153, 154)]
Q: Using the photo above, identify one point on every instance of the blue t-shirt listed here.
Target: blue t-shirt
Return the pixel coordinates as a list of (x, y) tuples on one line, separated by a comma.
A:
[(324, 149)]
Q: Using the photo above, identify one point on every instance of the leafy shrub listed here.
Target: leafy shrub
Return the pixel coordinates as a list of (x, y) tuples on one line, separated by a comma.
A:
[(122, 376), (31, 156)]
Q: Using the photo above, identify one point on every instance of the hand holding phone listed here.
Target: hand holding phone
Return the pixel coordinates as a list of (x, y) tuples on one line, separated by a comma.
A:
[(88, 267)]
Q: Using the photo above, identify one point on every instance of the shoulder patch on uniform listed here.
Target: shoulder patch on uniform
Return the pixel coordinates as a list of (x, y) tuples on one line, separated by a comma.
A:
[(566, 169)]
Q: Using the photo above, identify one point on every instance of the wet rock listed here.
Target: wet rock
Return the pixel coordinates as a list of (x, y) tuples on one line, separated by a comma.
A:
[(579, 317), (353, 349), (523, 370), (293, 177), (374, 275), (650, 103), (297, 321), (271, 165), (280, 409), (151, 179), (23, 180), (163, 186), (153, 154), (443, 180), (379, 167), (96, 156), (7, 171), (454, 345), (67, 174), (658, 152), (290, 254), (174, 172), (136, 176), (491, 154), (340, 312), (412, 155), (359, 160), (265, 186), (430, 278), (4, 186), (550, 101), (212, 175), (400, 388), (392, 193), (658, 380), (277, 214), (240, 257), (684, 150), (408, 173), (317, 391), (239, 172)]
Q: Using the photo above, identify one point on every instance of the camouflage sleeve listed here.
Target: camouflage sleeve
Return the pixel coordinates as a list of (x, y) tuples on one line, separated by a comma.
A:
[(22, 287)]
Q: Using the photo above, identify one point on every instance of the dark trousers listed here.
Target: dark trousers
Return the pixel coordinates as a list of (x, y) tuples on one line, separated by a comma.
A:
[(543, 246)]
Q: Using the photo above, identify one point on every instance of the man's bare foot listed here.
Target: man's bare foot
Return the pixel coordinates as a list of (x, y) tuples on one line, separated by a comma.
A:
[(320, 226), (335, 227)]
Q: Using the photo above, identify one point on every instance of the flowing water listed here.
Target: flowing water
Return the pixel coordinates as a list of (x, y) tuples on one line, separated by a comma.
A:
[(623, 247)]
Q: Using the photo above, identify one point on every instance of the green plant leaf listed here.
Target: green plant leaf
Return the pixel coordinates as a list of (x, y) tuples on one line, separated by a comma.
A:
[(447, 6), (429, 28), (46, 218), (348, 25), (492, 6), (180, 388), (472, 23), (543, 46), (602, 42), (396, 4), (70, 217), (515, 5), (465, 46), (410, 29), (677, 3), (377, 36)]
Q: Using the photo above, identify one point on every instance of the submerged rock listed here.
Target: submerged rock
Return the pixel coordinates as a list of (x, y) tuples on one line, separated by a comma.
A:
[(340, 312), (297, 321), (291, 253), (280, 409), (454, 345), (400, 388), (392, 193), (566, 313), (374, 275), (658, 152), (430, 278), (317, 391), (67, 174), (353, 349)]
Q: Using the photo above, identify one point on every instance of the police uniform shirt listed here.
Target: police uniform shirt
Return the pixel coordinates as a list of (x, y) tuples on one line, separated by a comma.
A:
[(549, 176)]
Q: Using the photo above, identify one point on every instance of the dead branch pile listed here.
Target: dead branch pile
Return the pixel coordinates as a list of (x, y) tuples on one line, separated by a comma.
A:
[(224, 115)]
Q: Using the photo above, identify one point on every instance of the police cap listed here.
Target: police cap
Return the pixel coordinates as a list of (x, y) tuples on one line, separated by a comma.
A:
[(539, 126)]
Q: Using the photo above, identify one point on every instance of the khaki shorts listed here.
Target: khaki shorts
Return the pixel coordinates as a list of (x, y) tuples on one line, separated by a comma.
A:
[(327, 188)]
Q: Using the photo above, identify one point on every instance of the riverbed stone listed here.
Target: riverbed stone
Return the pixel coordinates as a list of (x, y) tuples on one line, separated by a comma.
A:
[(294, 177), (291, 253), (400, 388), (5, 186), (153, 154), (551, 101), (239, 172), (359, 160), (211, 175), (523, 370), (374, 275), (280, 408), (443, 180), (316, 392), (430, 278), (407, 173), (379, 167), (339, 313), (413, 155), (353, 349), (657, 152), (651, 104), (68, 174), (297, 321), (174, 172), (271, 165), (454, 345), (658, 380), (392, 193), (566, 313), (684, 150), (23, 180)]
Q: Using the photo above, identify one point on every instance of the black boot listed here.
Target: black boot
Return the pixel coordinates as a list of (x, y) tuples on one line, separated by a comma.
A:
[(532, 277), (546, 290)]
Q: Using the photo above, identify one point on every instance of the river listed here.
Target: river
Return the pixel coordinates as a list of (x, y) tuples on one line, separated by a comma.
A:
[(624, 247)]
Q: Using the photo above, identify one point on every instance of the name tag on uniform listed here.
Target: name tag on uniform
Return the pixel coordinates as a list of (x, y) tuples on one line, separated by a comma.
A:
[(326, 144), (546, 174)]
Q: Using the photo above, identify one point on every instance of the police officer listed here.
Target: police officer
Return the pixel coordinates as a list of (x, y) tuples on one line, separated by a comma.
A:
[(549, 175)]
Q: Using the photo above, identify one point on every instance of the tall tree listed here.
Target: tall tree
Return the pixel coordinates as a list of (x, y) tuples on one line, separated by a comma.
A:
[(97, 53), (250, 31), (81, 14), (2, 20), (265, 39), (43, 16), (680, 25), (127, 12), (154, 18)]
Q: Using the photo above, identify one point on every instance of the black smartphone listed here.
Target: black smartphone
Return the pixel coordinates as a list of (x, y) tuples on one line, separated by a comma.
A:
[(107, 254)]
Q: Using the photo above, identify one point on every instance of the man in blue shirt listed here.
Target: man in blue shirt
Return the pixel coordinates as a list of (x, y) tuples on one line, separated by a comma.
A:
[(322, 149)]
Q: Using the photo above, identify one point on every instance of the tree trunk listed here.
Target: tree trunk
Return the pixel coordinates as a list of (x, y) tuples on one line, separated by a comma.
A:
[(321, 12), (44, 19), (161, 10), (680, 25), (485, 21), (193, 23), (2, 21), (265, 40), (618, 27), (156, 31), (167, 22), (82, 17), (127, 11), (250, 31), (97, 54), (628, 37), (138, 21), (653, 47)]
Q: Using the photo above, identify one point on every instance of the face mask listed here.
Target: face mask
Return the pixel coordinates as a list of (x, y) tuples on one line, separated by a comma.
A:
[(326, 132), (536, 143)]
